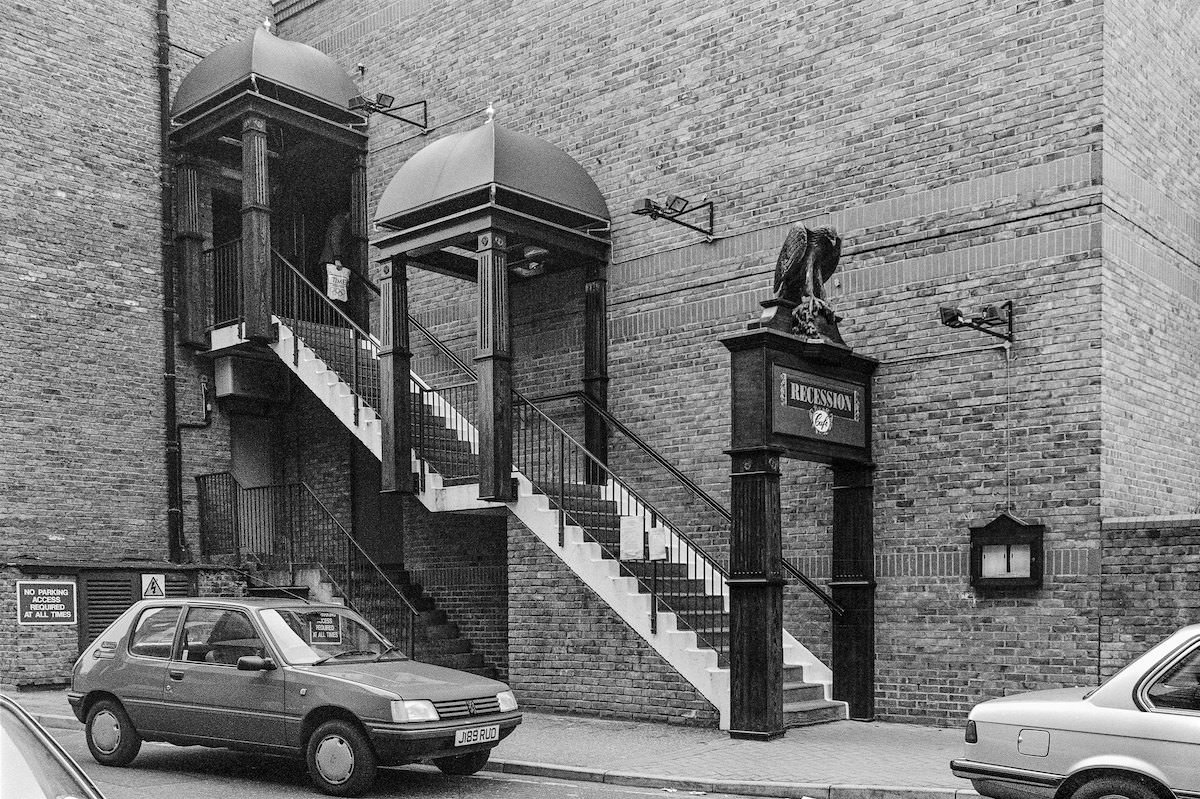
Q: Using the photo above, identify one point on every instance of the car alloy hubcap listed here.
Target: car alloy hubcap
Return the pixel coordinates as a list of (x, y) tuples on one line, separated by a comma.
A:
[(106, 732), (335, 759)]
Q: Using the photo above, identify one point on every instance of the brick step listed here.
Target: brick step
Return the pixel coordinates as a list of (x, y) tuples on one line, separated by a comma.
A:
[(714, 637), (797, 692), (589, 505), (464, 661), (704, 605), (646, 570), (432, 616), (442, 646), (436, 632), (802, 714)]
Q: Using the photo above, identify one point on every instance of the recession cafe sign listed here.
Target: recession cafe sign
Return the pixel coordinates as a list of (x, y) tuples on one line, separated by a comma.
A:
[(819, 408)]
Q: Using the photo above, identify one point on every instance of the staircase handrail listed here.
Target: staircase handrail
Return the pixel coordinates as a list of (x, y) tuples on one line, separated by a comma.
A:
[(837, 610), (361, 551), (317, 290), (604, 414)]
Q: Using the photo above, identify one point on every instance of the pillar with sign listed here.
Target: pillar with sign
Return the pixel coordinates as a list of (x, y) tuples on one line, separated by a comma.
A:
[(805, 397)]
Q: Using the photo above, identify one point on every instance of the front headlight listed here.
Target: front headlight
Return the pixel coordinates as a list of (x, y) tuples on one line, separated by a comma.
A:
[(508, 702), (413, 710)]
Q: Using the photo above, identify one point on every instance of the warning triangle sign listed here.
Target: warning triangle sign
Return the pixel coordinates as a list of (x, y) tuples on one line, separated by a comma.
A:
[(152, 586)]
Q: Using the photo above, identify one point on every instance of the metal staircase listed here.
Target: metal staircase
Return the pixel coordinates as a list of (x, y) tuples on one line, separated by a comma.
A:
[(580, 509)]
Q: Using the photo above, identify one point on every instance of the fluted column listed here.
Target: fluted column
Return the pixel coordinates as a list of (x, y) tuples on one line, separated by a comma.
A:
[(256, 231), (194, 281), (395, 363), (595, 360), (756, 596), (493, 365)]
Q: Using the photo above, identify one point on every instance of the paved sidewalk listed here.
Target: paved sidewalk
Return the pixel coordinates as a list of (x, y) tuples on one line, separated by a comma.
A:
[(842, 760)]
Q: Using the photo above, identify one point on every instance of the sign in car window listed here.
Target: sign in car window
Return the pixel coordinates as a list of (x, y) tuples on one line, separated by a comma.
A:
[(46, 602), (324, 628)]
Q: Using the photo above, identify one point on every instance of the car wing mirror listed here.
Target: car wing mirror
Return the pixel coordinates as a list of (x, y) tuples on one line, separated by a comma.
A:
[(255, 663)]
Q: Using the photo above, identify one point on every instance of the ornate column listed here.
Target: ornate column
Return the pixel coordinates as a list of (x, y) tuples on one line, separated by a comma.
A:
[(756, 596), (595, 360), (395, 363), (194, 280), (256, 231), (493, 366)]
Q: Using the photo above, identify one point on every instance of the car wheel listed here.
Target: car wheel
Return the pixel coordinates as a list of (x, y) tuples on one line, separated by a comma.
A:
[(1113, 788), (463, 764), (110, 734), (341, 761)]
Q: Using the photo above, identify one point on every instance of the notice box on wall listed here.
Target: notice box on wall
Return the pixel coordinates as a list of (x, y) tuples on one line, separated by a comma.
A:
[(46, 602)]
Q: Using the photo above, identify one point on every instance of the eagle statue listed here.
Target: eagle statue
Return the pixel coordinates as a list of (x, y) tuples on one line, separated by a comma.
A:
[(808, 258)]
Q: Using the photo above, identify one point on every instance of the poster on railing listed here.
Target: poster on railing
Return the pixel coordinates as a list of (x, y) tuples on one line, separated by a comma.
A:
[(337, 281), (637, 543)]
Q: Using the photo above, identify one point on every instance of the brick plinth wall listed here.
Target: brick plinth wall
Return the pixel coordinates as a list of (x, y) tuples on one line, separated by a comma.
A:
[(568, 651)]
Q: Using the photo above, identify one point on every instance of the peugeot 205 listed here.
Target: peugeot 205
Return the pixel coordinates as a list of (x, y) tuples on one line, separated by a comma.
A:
[(283, 677), (1136, 736)]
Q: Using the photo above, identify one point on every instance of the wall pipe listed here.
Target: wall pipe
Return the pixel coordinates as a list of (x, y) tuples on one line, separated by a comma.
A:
[(177, 549)]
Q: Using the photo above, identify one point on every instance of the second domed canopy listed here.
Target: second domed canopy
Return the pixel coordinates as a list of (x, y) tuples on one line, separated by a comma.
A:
[(490, 155)]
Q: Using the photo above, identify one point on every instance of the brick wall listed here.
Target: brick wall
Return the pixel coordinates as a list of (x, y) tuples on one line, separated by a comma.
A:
[(955, 149), (568, 652), (459, 560), (1150, 586), (1152, 253)]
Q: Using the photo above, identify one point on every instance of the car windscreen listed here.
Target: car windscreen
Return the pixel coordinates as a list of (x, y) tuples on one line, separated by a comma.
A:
[(32, 767), (310, 636)]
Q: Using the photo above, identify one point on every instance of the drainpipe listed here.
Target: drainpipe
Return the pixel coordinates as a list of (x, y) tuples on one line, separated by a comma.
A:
[(176, 545)]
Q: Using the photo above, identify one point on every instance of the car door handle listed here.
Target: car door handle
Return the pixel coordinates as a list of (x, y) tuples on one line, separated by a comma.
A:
[(175, 675)]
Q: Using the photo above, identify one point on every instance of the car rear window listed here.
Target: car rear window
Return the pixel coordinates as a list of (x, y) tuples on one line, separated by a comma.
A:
[(1179, 686), (154, 633)]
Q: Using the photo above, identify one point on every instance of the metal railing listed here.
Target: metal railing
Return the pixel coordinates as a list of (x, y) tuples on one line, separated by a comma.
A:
[(224, 263), (288, 526), (837, 610), (327, 329), (671, 491), (673, 569)]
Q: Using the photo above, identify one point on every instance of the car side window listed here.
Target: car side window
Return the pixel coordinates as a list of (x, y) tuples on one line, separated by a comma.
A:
[(1179, 686), (219, 635), (154, 633)]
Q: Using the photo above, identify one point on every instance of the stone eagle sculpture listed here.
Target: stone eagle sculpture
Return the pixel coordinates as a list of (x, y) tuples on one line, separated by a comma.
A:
[(808, 258)]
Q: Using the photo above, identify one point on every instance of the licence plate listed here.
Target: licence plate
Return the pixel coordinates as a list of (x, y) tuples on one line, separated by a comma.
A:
[(477, 735)]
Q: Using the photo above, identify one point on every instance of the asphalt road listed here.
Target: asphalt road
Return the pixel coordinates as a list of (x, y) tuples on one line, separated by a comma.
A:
[(163, 771)]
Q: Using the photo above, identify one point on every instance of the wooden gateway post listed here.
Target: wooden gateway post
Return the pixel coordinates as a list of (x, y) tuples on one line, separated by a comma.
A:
[(799, 392)]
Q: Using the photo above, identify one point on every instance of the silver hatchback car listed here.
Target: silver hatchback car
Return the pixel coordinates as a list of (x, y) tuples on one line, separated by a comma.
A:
[(1137, 736)]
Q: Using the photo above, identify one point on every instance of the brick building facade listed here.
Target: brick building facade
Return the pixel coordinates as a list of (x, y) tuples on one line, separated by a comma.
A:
[(967, 154)]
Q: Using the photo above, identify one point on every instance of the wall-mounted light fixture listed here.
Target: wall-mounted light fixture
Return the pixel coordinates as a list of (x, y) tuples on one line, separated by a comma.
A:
[(386, 104), (675, 207), (989, 317), (531, 263)]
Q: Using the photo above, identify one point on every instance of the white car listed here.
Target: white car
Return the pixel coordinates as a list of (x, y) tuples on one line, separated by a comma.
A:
[(1137, 736)]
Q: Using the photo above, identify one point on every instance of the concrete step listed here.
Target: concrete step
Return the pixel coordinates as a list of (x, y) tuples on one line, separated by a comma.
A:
[(802, 714)]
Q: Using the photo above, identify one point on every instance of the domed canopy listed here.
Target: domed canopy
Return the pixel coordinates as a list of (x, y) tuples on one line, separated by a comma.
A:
[(457, 165), (262, 62)]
